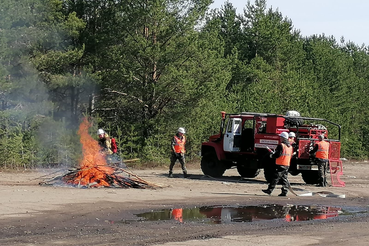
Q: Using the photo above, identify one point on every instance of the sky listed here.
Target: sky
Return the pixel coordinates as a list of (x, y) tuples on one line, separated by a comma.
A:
[(347, 18)]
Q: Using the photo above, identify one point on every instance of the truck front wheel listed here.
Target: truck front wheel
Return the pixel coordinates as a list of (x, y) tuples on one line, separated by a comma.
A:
[(211, 166), (247, 172), (269, 169), (268, 175)]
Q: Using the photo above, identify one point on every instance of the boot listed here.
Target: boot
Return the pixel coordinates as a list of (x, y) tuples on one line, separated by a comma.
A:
[(170, 174), (325, 181), (283, 192), (320, 182), (185, 175), (267, 191)]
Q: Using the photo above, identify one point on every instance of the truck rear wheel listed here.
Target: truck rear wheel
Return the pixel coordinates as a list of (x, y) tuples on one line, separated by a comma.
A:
[(211, 166), (247, 172), (310, 177)]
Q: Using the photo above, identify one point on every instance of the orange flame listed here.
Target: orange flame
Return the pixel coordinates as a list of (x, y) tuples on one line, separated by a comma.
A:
[(93, 166)]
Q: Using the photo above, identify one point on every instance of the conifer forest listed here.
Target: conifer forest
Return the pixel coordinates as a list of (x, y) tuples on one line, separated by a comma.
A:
[(140, 69)]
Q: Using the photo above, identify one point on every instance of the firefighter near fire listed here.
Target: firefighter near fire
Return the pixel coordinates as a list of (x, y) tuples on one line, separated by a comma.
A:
[(246, 140), (178, 150), (108, 147)]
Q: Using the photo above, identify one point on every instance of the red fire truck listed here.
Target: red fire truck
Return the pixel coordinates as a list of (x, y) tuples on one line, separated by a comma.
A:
[(244, 139)]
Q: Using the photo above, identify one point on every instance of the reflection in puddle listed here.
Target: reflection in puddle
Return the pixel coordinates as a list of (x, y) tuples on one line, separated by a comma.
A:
[(225, 214)]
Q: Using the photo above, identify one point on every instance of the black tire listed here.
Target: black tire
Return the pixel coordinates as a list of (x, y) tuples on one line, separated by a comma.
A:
[(293, 168), (310, 177), (211, 166), (247, 172)]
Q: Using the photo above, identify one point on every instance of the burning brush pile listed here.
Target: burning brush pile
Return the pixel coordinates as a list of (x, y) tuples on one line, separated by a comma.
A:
[(94, 172)]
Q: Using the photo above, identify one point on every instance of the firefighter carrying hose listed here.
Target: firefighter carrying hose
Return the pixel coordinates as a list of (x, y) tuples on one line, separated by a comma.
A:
[(321, 150), (178, 152), (283, 154)]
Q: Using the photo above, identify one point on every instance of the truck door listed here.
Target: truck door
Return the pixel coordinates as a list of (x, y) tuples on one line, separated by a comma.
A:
[(232, 136)]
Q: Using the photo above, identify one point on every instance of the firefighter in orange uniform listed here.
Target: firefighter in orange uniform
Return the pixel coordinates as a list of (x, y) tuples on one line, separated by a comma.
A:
[(178, 152), (283, 154), (321, 150), (291, 138)]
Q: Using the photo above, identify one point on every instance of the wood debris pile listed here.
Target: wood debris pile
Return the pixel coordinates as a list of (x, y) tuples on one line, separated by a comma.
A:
[(98, 176)]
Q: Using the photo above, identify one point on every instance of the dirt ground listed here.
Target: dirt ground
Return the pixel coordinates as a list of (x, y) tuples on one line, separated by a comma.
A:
[(32, 214)]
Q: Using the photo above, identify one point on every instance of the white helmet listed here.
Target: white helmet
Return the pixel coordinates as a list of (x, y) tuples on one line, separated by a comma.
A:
[(100, 131), (181, 130), (291, 135), (284, 135)]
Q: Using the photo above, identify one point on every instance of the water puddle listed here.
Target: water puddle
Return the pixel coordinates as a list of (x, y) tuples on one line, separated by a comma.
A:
[(227, 214)]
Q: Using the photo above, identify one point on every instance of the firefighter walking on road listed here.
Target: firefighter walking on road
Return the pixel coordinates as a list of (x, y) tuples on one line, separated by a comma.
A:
[(283, 154), (178, 151), (321, 150)]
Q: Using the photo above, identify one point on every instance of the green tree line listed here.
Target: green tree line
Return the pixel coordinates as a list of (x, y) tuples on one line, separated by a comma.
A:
[(140, 69)]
